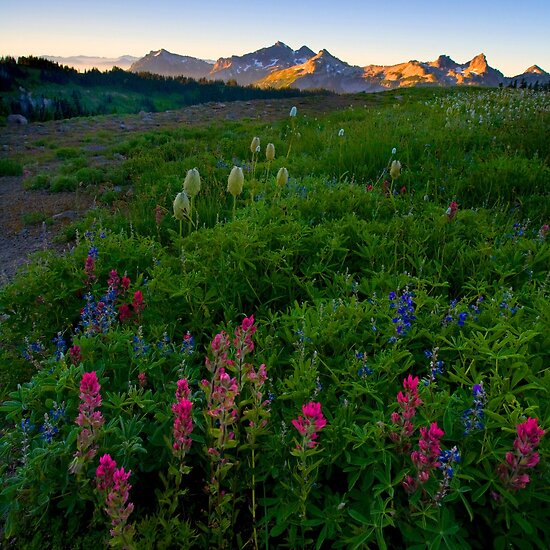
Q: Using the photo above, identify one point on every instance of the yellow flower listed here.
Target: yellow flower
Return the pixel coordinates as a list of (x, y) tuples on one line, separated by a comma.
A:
[(395, 169), (282, 177), (181, 206), (270, 152), (235, 181), (192, 183), (254, 146)]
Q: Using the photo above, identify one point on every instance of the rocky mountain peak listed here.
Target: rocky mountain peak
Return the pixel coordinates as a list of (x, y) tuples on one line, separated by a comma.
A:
[(304, 52), (280, 44), (478, 64), (445, 62), (535, 69), (327, 57)]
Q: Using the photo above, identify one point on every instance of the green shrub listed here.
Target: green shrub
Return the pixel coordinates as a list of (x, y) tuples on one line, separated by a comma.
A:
[(90, 176), (9, 167), (34, 218), (40, 181), (65, 153), (63, 183), (71, 166)]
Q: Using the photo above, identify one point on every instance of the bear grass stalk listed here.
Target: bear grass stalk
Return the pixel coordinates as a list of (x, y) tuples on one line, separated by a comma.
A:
[(192, 187)]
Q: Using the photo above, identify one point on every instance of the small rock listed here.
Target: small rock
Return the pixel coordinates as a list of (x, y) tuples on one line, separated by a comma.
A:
[(17, 119), (95, 148), (66, 215)]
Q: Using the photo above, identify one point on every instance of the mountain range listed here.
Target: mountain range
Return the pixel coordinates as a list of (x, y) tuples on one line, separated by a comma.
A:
[(279, 66)]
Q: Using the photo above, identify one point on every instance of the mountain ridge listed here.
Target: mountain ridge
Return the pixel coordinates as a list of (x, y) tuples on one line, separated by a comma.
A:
[(279, 66)]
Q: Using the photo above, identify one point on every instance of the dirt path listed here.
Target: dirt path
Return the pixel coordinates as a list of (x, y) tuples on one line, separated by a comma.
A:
[(29, 144)]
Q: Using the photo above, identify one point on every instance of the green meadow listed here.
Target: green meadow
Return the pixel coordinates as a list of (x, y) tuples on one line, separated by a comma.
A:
[(353, 352)]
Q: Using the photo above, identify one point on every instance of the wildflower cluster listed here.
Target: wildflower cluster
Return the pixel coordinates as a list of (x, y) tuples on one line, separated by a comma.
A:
[(491, 108), (524, 457), (475, 308), (446, 461), (309, 424), (473, 418), (404, 308), (89, 266), (257, 414), (139, 347), (52, 419), (112, 484), (427, 458), (221, 393), (98, 317), (234, 402), (520, 230), (32, 349), (363, 370), (142, 379), (60, 346), (26, 428), (455, 313), (183, 422), (436, 365), (188, 344), (452, 210), (243, 338), (75, 355), (507, 304), (163, 345), (134, 309), (90, 421), (408, 402)]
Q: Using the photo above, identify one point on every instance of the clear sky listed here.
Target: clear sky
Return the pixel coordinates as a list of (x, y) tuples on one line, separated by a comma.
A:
[(513, 34)]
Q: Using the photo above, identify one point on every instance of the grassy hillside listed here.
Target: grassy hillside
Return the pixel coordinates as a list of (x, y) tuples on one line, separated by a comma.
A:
[(355, 356)]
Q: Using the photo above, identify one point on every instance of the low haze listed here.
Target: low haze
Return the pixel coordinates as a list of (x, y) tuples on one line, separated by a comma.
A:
[(358, 32)]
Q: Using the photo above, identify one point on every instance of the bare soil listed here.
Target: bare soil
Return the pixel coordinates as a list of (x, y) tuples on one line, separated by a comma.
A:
[(31, 145)]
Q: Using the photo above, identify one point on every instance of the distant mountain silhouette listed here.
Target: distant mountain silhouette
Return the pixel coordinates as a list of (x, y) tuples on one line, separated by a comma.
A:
[(279, 66)]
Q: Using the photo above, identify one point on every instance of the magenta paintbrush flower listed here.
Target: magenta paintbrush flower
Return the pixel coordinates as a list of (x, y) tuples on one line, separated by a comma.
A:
[(112, 483), (310, 423), (512, 472), (408, 401), (89, 419), (426, 458)]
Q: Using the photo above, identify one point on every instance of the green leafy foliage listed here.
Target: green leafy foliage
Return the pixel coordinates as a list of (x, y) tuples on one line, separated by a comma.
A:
[(353, 289)]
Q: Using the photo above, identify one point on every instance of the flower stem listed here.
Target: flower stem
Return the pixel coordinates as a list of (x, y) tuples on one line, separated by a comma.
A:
[(255, 532), (191, 214), (293, 131)]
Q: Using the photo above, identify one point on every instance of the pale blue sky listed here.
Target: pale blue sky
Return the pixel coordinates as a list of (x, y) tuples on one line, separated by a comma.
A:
[(510, 33)]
